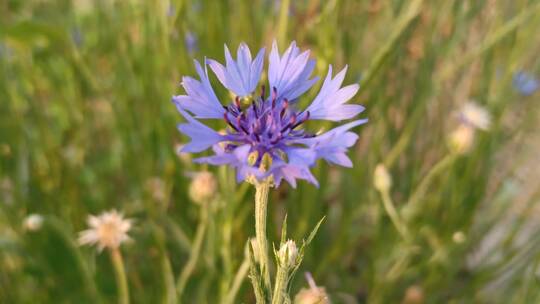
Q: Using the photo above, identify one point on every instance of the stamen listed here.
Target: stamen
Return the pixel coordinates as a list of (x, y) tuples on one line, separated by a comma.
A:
[(304, 119), (285, 106), (254, 106), (237, 102), (226, 117), (274, 97), (292, 120)]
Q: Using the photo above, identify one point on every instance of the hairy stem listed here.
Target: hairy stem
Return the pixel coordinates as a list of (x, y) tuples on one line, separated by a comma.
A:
[(280, 287), (261, 204)]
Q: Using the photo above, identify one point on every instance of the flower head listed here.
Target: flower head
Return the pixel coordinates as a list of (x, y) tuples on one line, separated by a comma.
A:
[(191, 42), (203, 187), (106, 230), (266, 137), (525, 83), (33, 222), (475, 116), (312, 295)]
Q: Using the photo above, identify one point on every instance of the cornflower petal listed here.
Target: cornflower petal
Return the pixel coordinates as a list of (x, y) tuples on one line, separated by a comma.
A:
[(240, 76), (329, 103), (290, 73), (200, 99), (202, 137)]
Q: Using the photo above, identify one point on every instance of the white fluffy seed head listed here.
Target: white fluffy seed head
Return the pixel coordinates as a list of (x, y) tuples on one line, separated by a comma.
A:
[(107, 230), (382, 180), (287, 254), (203, 188), (33, 222), (475, 115)]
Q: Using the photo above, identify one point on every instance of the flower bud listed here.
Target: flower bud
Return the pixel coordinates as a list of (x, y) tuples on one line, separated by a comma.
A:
[(33, 222), (414, 295), (287, 254), (316, 295), (461, 139), (203, 187), (459, 237), (382, 179)]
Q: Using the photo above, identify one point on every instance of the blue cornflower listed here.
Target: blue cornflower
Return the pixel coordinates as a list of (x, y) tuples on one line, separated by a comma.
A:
[(191, 42), (77, 37), (265, 135), (525, 83)]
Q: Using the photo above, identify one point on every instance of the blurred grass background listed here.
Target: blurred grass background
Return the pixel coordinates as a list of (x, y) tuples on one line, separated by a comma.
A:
[(86, 125)]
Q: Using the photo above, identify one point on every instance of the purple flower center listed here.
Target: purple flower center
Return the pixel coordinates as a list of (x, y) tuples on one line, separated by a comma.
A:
[(265, 124)]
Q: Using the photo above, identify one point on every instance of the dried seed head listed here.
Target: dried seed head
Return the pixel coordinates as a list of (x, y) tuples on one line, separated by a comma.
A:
[(313, 294), (108, 230), (203, 187)]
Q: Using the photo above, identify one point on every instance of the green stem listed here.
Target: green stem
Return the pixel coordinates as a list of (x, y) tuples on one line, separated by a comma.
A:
[(261, 204), (413, 205), (120, 272), (195, 253), (393, 214), (237, 282), (281, 283)]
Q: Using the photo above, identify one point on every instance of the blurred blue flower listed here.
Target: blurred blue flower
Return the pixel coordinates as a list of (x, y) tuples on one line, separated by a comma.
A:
[(77, 37), (525, 83), (191, 42), (5, 51), (171, 10), (265, 135)]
